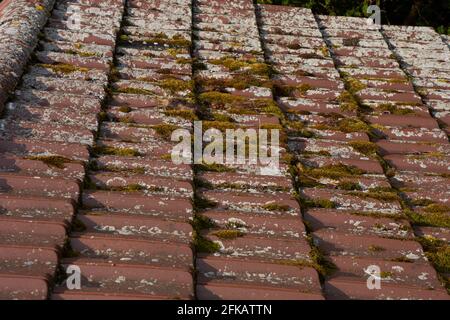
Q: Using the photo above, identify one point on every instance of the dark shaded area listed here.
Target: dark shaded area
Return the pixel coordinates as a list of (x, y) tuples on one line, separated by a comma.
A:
[(434, 13)]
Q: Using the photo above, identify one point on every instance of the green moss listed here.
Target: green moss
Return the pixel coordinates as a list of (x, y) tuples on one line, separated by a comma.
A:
[(131, 90), (375, 248), (438, 252), (64, 68), (80, 53), (386, 274), (125, 109), (52, 161), (228, 234), (318, 203), (378, 194), (203, 245), (393, 109), (349, 185), (434, 219), (436, 208), (176, 41), (219, 98), (240, 81), (185, 114), (102, 116), (107, 150), (222, 117), (275, 207), (202, 222), (422, 202), (324, 266), (129, 188), (201, 203), (214, 168), (365, 147), (165, 130), (349, 125), (354, 85), (175, 85), (219, 125), (333, 171)]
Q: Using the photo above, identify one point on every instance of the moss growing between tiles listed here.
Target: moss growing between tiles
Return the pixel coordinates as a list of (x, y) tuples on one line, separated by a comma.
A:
[(332, 171), (250, 65), (349, 186), (365, 147), (377, 194), (165, 130), (185, 114), (318, 203), (52, 161), (131, 90), (219, 98), (238, 82), (107, 150), (213, 168), (275, 207), (375, 248), (393, 109), (228, 234), (438, 252), (203, 245), (434, 219), (175, 85), (64, 68), (202, 203)]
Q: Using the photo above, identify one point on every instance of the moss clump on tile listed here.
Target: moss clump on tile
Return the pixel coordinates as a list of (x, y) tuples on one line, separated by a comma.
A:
[(318, 203), (185, 114), (289, 90), (436, 208), (64, 68), (219, 125), (176, 41), (365, 147), (349, 186), (438, 252), (113, 151), (324, 266), (378, 194), (204, 245), (222, 117), (131, 90), (433, 219), (375, 248), (275, 207), (336, 171), (125, 109), (175, 85), (202, 203), (393, 109), (219, 98), (213, 168), (349, 125), (228, 234), (422, 202), (202, 222), (165, 130), (128, 188), (52, 161)]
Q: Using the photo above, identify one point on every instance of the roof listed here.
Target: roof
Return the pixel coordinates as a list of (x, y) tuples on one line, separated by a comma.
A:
[(86, 177)]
